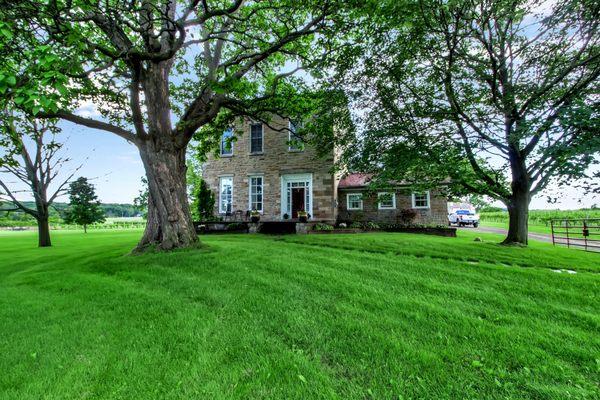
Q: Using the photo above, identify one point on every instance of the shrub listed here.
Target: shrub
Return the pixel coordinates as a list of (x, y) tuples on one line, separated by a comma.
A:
[(356, 225), (371, 226), (236, 226), (323, 227)]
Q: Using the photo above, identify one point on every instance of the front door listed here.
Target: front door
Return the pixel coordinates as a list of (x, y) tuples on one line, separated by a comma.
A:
[(298, 199)]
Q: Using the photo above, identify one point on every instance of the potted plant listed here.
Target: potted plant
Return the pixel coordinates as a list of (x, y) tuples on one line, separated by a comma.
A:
[(286, 216), (254, 216), (302, 216)]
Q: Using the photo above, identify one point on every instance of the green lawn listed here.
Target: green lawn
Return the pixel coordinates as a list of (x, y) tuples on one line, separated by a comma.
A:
[(382, 316)]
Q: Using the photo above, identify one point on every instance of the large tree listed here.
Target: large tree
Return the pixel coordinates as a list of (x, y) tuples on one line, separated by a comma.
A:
[(31, 156), (499, 96), (158, 70)]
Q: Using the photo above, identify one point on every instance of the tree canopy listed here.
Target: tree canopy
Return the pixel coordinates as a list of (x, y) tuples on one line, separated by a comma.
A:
[(496, 98)]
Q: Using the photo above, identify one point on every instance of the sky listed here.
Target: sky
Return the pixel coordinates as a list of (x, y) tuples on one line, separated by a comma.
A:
[(113, 165), (115, 168)]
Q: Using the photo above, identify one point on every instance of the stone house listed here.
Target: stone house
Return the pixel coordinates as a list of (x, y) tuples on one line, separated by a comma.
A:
[(269, 169)]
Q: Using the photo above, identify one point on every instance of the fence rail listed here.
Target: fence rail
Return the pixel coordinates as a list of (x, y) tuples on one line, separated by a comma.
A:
[(581, 233)]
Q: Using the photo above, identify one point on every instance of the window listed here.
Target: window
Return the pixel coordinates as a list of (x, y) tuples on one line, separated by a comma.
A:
[(387, 201), (227, 143), (295, 142), (256, 193), (420, 200), (354, 201), (225, 194), (256, 138)]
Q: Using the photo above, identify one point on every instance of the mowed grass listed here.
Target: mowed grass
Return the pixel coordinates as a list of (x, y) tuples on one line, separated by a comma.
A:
[(382, 316)]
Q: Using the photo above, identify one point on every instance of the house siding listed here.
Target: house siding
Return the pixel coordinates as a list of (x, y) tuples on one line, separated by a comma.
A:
[(274, 162), (437, 212)]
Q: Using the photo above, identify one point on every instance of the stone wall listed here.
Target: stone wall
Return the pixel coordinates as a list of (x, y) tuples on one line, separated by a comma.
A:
[(437, 213), (275, 160)]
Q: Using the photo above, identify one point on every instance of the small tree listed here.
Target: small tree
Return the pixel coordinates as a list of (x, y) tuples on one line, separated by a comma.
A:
[(203, 201), (32, 156), (84, 207)]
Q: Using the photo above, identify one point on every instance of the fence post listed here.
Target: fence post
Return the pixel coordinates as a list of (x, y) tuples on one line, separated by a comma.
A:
[(567, 227), (552, 228)]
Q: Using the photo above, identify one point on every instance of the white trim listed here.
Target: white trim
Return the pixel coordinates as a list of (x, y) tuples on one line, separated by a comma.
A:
[(379, 206), (221, 211), (262, 141), (290, 148), (348, 201), (290, 178), (262, 185), (428, 200)]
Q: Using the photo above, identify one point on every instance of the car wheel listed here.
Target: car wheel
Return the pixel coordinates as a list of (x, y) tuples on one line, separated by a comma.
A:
[(475, 225)]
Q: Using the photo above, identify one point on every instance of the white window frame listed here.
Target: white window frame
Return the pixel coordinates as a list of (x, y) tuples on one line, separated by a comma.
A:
[(428, 200), (221, 178), (380, 194), (230, 144), (293, 131), (348, 201), (262, 185), (262, 138)]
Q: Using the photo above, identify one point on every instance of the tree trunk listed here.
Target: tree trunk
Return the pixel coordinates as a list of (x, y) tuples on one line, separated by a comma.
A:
[(84, 228), (169, 221), (43, 232), (518, 217), (518, 203)]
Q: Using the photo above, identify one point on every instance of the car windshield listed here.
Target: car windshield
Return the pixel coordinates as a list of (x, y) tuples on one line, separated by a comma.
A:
[(464, 212)]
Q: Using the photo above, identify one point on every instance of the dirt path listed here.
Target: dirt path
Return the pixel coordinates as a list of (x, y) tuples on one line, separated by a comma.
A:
[(542, 237)]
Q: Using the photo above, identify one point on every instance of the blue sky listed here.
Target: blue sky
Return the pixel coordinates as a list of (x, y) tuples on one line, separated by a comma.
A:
[(115, 168)]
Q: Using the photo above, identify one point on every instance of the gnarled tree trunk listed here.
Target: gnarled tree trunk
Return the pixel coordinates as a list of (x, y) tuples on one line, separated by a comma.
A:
[(169, 221)]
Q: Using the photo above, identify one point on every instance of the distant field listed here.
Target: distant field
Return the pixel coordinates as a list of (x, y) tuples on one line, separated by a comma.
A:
[(541, 217), (110, 223)]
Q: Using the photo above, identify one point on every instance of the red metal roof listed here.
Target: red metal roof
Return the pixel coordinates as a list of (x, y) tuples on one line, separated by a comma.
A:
[(355, 180)]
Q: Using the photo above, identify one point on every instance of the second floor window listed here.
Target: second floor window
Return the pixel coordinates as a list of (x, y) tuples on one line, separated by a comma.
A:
[(256, 138), (295, 142), (225, 194), (227, 143), (256, 193)]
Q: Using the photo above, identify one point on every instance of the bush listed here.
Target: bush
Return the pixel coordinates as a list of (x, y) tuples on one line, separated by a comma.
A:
[(356, 225), (371, 226), (323, 227), (236, 226)]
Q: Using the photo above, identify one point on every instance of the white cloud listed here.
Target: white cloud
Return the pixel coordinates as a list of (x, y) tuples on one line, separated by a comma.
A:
[(87, 109)]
